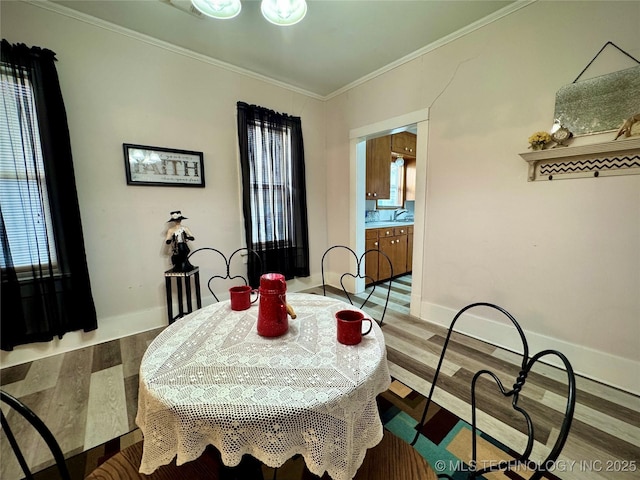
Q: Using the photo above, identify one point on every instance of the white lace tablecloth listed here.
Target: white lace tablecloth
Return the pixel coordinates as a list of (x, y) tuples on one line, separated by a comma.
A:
[(209, 378)]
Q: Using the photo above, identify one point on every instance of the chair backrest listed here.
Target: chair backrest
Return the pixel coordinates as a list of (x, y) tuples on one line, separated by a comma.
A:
[(16, 406), (223, 266), (523, 460), (365, 301)]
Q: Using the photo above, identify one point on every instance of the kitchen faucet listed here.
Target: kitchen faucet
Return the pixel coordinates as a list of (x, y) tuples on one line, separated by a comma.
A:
[(397, 212)]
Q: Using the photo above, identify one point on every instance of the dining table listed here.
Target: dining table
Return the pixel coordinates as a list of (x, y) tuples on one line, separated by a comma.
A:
[(211, 379)]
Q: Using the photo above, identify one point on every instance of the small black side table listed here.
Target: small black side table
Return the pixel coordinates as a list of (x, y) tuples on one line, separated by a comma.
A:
[(179, 276)]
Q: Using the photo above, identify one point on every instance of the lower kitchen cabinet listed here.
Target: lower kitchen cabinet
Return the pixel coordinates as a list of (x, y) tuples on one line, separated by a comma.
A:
[(393, 242)]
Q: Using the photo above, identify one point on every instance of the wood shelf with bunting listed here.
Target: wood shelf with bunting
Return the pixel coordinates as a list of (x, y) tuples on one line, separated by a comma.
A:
[(617, 157)]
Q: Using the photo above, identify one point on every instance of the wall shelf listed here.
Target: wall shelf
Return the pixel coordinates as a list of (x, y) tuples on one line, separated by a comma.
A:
[(617, 157)]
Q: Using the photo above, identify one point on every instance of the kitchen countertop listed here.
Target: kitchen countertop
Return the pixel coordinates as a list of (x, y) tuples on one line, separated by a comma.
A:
[(386, 224)]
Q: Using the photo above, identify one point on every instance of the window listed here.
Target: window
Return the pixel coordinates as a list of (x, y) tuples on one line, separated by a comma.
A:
[(271, 185), (274, 198), (23, 189), (44, 280), (396, 198)]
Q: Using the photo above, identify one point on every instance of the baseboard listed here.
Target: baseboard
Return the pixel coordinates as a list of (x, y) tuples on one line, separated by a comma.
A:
[(603, 367)]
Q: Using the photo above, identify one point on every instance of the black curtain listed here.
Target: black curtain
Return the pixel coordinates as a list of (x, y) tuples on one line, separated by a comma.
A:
[(281, 210), (48, 301)]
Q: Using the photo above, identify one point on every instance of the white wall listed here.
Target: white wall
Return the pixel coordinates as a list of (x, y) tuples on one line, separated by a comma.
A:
[(118, 89), (562, 256)]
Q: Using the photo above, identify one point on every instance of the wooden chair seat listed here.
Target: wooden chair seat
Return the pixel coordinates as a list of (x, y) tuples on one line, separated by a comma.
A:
[(124, 465), (391, 459), (394, 459)]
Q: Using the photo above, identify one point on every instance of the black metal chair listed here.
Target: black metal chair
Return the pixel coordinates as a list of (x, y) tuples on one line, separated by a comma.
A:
[(20, 408), (365, 299), (523, 459), (221, 263)]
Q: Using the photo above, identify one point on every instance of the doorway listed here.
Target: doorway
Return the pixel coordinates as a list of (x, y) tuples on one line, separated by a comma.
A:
[(417, 122)]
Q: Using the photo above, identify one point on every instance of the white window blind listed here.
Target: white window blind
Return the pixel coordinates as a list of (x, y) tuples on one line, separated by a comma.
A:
[(23, 189), (271, 185)]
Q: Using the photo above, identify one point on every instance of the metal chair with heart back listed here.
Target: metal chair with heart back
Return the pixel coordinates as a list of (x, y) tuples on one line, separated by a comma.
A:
[(366, 299), (523, 460), (225, 265)]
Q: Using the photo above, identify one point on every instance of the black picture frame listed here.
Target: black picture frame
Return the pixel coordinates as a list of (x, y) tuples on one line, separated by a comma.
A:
[(163, 167)]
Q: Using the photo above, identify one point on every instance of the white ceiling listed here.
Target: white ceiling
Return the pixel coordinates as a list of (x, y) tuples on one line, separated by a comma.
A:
[(337, 44)]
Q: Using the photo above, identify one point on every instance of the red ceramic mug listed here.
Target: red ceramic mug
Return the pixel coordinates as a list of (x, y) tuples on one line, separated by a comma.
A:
[(349, 325), (241, 297)]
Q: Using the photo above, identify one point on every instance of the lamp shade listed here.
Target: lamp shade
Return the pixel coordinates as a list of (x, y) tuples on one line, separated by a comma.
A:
[(222, 9), (284, 12)]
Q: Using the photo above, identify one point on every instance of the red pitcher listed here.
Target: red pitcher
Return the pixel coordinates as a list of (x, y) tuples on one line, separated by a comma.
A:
[(273, 308)]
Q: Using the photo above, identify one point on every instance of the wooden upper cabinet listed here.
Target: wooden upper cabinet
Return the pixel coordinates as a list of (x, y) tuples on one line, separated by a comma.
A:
[(378, 182), (404, 143)]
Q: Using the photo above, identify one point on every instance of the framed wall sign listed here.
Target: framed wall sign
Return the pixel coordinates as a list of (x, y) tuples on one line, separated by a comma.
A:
[(163, 167)]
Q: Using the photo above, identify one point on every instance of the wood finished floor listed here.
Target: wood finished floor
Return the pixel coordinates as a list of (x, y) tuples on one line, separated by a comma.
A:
[(89, 396)]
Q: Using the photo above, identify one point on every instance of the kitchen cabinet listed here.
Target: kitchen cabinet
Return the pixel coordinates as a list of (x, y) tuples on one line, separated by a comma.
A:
[(404, 143), (394, 243), (378, 182)]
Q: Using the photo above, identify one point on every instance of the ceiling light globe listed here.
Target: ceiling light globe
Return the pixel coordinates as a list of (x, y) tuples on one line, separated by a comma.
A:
[(284, 12), (222, 9)]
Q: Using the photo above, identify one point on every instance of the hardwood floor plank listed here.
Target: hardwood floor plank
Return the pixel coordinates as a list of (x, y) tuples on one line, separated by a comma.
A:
[(107, 407), (14, 374), (68, 415), (421, 354), (603, 441), (106, 355), (408, 332), (42, 375), (412, 325), (605, 423)]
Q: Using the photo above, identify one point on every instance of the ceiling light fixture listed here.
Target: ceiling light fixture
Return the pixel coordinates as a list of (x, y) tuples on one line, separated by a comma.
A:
[(284, 12), (222, 9)]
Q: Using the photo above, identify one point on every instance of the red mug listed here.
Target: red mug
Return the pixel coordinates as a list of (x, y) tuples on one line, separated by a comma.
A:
[(349, 324), (241, 297)]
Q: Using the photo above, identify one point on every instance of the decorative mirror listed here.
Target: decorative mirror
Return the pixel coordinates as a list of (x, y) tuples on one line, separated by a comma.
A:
[(599, 104)]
